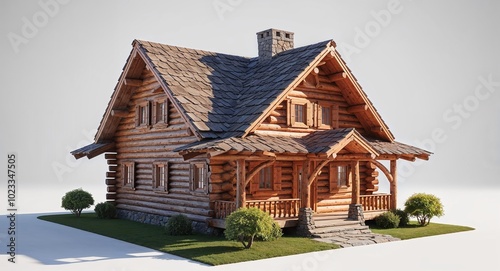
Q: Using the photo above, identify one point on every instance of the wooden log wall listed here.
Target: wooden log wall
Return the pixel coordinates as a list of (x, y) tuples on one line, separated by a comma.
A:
[(144, 146), (277, 120), (111, 176)]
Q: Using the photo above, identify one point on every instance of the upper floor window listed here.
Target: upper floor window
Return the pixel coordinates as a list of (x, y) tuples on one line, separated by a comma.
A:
[(142, 118), (326, 116), (160, 111), (300, 113)]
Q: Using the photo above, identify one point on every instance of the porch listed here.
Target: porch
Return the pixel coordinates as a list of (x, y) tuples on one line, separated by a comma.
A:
[(286, 211)]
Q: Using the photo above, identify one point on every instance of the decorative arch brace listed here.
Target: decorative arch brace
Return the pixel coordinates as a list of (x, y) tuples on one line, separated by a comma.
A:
[(392, 176)]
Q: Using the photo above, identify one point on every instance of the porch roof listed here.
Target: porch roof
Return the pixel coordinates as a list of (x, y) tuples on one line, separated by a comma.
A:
[(326, 142)]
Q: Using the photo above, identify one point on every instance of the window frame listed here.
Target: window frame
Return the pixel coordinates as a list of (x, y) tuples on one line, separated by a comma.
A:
[(128, 172), (139, 115), (262, 174), (334, 172), (292, 113), (163, 122), (157, 186), (194, 183)]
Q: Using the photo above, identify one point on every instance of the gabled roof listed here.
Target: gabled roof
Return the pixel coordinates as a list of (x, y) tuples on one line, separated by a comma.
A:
[(223, 95), (223, 98)]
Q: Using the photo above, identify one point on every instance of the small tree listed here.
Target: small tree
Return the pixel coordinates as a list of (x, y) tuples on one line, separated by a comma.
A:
[(77, 200), (424, 207), (245, 225)]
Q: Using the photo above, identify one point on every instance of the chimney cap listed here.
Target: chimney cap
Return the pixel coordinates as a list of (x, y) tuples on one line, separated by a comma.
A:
[(276, 33)]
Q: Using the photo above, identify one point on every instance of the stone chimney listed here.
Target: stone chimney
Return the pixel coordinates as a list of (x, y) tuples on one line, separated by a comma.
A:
[(273, 41)]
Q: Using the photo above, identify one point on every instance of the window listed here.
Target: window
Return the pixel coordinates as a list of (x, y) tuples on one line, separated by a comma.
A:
[(129, 174), (199, 176), (326, 116), (160, 112), (300, 113), (266, 178), (342, 176), (142, 115), (160, 176)]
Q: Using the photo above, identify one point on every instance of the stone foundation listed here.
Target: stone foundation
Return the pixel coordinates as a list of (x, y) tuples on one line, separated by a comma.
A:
[(356, 213), (158, 220), (306, 222)]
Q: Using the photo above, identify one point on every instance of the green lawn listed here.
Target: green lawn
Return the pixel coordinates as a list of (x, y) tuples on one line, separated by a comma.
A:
[(207, 249), (415, 231)]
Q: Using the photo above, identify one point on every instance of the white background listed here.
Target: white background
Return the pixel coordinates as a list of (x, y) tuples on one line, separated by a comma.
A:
[(422, 63)]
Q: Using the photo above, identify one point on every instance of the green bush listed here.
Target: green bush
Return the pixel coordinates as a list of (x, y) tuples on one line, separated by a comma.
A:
[(105, 210), (423, 207), (178, 225), (77, 200), (248, 224), (404, 219), (387, 220)]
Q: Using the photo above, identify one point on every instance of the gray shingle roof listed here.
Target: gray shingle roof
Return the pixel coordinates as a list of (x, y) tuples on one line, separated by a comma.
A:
[(223, 94)]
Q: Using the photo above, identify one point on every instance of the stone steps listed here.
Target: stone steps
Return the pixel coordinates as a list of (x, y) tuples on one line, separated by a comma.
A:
[(340, 230)]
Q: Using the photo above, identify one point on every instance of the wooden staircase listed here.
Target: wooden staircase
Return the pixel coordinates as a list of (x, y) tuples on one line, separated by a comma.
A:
[(330, 225)]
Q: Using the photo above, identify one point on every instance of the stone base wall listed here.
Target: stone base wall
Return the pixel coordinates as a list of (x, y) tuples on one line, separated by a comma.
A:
[(158, 220), (356, 213), (306, 222)]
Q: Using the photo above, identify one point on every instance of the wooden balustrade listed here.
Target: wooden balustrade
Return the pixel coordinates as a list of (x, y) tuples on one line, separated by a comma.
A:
[(281, 208), (377, 202), (224, 208)]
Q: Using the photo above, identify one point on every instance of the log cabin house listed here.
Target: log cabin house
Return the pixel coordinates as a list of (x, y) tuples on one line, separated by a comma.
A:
[(200, 133)]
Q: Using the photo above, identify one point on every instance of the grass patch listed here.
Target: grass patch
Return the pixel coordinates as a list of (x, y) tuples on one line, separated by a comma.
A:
[(213, 250), (413, 230)]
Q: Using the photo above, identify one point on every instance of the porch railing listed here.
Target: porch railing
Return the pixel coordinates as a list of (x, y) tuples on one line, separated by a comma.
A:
[(281, 208), (377, 202)]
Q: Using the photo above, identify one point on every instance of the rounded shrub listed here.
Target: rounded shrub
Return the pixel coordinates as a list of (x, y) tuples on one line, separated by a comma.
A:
[(424, 207), (404, 219), (178, 225), (248, 224), (77, 200), (387, 220), (105, 210)]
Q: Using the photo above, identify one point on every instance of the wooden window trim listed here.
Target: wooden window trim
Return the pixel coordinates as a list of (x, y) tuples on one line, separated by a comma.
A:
[(333, 178), (138, 115), (275, 185), (156, 120), (157, 166), (308, 107), (128, 172), (334, 112), (194, 184)]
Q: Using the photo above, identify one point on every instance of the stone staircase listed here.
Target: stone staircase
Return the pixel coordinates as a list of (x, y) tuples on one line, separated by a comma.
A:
[(338, 229)]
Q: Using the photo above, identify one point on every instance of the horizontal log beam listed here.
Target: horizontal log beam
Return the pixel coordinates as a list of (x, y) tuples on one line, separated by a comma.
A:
[(337, 76), (119, 113), (357, 108), (133, 82), (363, 156)]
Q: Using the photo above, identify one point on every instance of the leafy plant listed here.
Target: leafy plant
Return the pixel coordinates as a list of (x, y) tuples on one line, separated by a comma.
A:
[(105, 210), (77, 200), (404, 219), (178, 225), (387, 220), (247, 224), (424, 207)]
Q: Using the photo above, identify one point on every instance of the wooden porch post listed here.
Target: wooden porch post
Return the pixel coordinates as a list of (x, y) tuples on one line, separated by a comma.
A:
[(394, 185), (355, 182), (240, 183), (306, 189)]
